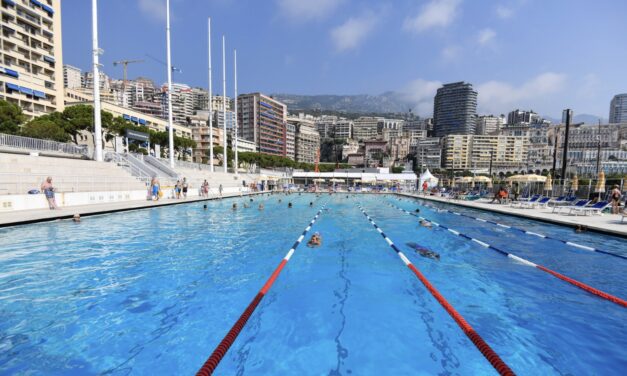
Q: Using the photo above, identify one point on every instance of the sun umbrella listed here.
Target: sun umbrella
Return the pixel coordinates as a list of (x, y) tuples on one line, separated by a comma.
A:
[(575, 184), (337, 180), (490, 183), (548, 183), (600, 187)]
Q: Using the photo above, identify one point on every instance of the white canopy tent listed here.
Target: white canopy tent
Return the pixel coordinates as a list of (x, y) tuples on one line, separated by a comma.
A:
[(431, 180)]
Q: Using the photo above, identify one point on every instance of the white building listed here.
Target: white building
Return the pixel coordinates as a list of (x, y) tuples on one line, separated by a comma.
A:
[(618, 109), (489, 125), (72, 77)]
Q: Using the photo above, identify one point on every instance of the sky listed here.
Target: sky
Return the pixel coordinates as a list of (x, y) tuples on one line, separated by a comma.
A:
[(541, 55)]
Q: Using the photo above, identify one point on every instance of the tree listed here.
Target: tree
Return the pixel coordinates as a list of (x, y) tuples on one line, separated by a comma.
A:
[(46, 129), (11, 117)]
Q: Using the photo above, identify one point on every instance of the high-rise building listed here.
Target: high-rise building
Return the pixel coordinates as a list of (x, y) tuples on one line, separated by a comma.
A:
[(182, 102), (489, 124), (463, 152), (618, 109), (200, 99), (307, 143), (290, 140), (522, 117), (455, 109), (429, 153), (31, 58), (72, 77), (366, 128), (262, 119), (88, 81)]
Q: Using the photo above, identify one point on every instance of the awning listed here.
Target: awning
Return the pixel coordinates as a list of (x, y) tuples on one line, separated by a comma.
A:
[(12, 86), (10, 2), (48, 9), (133, 119), (142, 121), (11, 72), (39, 94), (126, 117), (49, 59), (26, 90)]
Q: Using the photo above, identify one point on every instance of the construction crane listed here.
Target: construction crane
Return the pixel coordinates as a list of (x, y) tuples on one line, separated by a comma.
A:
[(124, 64)]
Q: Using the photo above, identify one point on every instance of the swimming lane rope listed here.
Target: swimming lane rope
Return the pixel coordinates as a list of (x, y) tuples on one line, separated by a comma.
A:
[(219, 352), (485, 349), (583, 286), (572, 244)]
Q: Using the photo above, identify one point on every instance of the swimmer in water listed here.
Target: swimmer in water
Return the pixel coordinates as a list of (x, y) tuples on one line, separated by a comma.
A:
[(417, 210), (234, 207), (289, 204), (424, 252), (261, 206), (425, 223), (310, 203), (315, 241)]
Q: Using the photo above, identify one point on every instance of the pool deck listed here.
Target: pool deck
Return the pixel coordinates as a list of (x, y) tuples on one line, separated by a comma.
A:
[(42, 215), (605, 223)]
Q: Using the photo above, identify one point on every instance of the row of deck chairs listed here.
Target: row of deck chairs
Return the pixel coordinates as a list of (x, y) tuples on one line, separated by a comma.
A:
[(563, 203)]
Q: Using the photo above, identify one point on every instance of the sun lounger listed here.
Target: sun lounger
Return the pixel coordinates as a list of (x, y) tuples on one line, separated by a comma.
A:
[(541, 202), (594, 209), (578, 204), (530, 201)]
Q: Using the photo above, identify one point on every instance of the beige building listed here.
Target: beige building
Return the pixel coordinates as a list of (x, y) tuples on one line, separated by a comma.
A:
[(31, 58), (366, 128), (202, 137), (464, 152), (307, 140)]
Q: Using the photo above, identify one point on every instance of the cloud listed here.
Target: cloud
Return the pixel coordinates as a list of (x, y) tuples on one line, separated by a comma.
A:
[(436, 13), (353, 32), (486, 36), (305, 10), (154, 9), (500, 97), (420, 94), (504, 12)]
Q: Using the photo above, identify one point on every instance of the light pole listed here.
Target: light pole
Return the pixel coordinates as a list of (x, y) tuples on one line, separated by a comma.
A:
[(96, 52), (169, 68), (599, 149), (235, 109), (225, 157)]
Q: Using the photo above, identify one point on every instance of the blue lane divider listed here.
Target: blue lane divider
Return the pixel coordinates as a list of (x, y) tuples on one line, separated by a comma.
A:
[(572, 244), (574, 282)]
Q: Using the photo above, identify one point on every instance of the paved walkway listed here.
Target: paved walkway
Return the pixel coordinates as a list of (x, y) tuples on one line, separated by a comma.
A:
[(39, 215), (606, 223)]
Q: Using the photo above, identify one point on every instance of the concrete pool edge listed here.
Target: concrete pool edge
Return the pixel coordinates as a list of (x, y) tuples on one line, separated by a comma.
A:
[(40, 215), (567, 221)]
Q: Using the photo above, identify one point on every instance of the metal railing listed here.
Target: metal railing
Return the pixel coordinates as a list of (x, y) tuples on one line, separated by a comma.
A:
[(11, 183), (127, 165), (35, 144), (154, 162)]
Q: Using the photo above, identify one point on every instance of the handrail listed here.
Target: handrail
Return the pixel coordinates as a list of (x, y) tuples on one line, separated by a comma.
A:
[(28, 143), (154, 162)]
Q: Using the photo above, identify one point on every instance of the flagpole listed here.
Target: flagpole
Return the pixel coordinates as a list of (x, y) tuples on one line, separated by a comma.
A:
[(169, 68), (225, 154), (96, 80), (210, 100), (235, 109)]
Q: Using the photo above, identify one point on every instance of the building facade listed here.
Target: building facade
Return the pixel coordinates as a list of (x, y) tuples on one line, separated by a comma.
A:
[(522, 117), (618, 109), (72, 77), (307, 143), (429, 153), (366, 128), (489, 124), (263, 120), (455, 109), (290, 140), (465, 152), (31, 58)]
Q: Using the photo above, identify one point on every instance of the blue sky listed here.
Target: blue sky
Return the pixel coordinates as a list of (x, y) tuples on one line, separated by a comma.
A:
[(532, 54)]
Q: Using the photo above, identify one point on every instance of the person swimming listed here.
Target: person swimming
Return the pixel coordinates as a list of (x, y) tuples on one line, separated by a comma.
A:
[(310, 203), (425, 223), (417, 210), (261, 206), (289, 204), (424, 252), (234, 207), (315, 241)]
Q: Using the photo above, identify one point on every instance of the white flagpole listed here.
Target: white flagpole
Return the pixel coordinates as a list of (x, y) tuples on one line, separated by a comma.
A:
[(235, 109), (96, 80), (225, 155), (169, 62), (210, 100)]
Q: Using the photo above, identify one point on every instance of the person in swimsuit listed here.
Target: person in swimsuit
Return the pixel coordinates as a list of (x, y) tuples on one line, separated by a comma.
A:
[(315, 241), (154, 188), (425, 223), (48, 190), (185, 186), (424, 252), (177, 189)]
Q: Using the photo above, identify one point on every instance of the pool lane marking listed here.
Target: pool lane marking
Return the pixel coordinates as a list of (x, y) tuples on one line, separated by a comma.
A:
[(572, 244), (485, 349), (581, 285), (212, 362)]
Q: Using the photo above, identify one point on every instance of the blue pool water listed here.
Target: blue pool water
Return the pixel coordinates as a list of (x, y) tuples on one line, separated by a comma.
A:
[(154, 291)]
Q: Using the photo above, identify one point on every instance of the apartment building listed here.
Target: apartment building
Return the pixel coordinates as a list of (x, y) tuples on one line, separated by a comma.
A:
[(455, 109), (464, 152), (72, 77), (31, 58), (366, 128), (262, 119)]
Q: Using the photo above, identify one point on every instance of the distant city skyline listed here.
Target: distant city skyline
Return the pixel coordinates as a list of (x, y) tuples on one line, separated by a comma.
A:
[(528, 54)]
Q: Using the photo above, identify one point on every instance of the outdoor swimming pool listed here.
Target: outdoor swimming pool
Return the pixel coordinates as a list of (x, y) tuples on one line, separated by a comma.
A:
[(154, 291)]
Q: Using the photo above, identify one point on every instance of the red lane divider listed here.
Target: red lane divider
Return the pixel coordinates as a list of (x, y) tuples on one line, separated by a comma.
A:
[(585, 287), (483, 347), (212, 363)]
